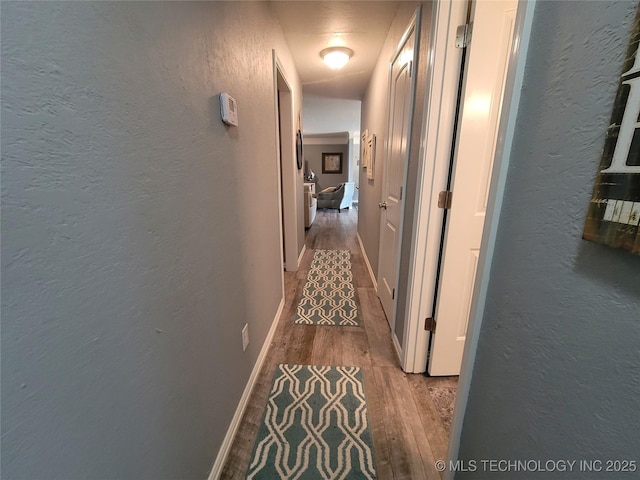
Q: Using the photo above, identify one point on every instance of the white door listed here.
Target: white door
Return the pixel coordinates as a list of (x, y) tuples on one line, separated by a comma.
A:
[(485, 75), (400, 109)]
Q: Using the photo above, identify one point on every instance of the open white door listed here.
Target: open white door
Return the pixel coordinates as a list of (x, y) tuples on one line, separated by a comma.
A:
[(484, 80), (400, 111)]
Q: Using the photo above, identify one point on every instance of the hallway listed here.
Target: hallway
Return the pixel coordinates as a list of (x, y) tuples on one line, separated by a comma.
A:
[(408, 413)]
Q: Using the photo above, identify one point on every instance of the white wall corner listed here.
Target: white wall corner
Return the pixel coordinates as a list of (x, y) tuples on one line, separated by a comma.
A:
[(225, 448)]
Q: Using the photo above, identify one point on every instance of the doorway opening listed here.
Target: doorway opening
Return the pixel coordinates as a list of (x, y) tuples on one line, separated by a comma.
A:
[(331, 154), (287, 177)]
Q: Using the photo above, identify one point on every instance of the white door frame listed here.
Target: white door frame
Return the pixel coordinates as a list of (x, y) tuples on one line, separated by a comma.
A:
[(434, 166), (438, 122), (286, 164), (412, 27), (439, 125)]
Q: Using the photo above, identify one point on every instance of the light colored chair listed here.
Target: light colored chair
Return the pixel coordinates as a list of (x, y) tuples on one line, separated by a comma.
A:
[(337, 197), (310, 205)]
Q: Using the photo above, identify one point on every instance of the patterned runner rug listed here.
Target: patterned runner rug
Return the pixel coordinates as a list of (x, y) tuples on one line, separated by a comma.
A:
[(328, 297), (315, 426)]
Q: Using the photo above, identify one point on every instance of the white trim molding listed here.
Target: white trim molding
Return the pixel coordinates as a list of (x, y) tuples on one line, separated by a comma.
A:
[(366, 262), (435, 146), (304, 249), (396, 345), (339, 138), (287, 173), (225, 448)]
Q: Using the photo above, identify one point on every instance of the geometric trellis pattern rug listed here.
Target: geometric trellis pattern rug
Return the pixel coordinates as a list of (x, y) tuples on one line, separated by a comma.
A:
[(328, 297), (315, 426)]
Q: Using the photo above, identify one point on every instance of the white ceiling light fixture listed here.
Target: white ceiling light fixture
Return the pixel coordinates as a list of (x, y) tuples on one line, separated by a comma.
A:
[(336, 57)]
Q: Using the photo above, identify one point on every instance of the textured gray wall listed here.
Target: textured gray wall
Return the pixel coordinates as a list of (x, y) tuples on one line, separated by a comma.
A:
[(313, 154), (557, 371), (374, 118), (129, 219)]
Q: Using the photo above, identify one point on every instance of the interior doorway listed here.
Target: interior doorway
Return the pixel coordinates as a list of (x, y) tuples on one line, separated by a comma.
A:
[(482, 92), (287, 179), (332, 126), (486, 99)]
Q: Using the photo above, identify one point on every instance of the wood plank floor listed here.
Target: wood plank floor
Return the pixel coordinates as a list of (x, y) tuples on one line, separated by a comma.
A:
[(407, 426)]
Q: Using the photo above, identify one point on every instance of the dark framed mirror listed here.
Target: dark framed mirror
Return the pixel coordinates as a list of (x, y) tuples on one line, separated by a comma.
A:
[(299, 151)]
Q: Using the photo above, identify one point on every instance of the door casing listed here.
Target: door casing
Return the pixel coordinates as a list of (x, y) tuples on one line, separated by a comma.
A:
[(481, 88), (443, 68), (434, 158), (288, 177)]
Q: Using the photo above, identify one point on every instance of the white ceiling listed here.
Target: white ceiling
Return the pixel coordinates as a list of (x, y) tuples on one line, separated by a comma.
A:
[(311, 26)]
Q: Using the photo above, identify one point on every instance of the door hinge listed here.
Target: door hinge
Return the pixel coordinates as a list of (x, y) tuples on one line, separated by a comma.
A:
[(393, 294), (444, 199), (463, 35), (430, 324), (401, 188), (410, 68)]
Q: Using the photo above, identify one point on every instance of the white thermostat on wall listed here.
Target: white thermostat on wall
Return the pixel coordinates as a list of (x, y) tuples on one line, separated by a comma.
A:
[(228, 109)]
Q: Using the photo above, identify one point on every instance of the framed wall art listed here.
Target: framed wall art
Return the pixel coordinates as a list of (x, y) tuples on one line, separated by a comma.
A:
[(614, 211), (363, 148), (371, 156), (368, 152), (332, 163)]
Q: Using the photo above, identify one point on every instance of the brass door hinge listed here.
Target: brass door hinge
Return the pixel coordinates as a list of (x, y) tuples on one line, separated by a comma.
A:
[(430, 324), (444, 199)]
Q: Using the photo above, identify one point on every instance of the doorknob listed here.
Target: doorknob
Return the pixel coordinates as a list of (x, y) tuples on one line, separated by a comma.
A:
[(383, 205)]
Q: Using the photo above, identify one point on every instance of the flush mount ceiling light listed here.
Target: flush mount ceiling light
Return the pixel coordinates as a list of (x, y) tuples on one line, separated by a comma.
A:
[(336, 57)]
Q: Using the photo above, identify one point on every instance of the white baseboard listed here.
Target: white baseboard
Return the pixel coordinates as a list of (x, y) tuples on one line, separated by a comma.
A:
[(366, 261), (225, 448), (304, 249), (397, 346)]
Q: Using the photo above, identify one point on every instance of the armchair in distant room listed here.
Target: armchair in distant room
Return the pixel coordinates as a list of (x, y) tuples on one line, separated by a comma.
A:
[(310, 205), (337, 197)]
